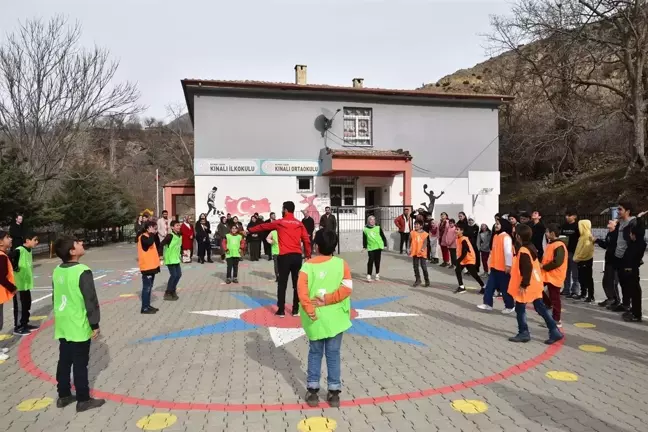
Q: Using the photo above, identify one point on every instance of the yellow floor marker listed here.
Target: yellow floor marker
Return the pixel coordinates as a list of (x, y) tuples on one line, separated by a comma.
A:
[(584, 325), (317, 424), (34, 404), (469, 406), (592, 348), (156, 421), (4, 337), (562, 376), (127, 295), (2, 361), (38, 318)]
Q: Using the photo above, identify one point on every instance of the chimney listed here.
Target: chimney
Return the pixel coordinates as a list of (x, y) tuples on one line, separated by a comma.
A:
[(358, 82), (300, 74)]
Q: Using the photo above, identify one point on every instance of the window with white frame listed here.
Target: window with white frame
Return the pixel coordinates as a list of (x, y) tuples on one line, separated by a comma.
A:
[(343, 193), (357, 126), (304, 184)]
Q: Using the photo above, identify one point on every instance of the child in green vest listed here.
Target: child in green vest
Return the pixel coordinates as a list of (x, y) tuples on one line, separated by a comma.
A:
[(172, 245), (373, 241), (324, 288), (24, 275), (76, 323), (273, 240), (233, 245)]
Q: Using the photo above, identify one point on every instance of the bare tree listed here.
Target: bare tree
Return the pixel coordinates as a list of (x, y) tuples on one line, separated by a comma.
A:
[(52, 90)]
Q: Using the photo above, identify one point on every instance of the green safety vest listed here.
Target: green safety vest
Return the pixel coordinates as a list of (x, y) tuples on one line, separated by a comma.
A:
[(25, 277), (275, 243), (374, 241), (332, 319), (172, 250), (70, 314), (233, 246)]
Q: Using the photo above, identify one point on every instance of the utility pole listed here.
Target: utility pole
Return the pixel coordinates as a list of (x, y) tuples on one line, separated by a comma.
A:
[(157, 192)]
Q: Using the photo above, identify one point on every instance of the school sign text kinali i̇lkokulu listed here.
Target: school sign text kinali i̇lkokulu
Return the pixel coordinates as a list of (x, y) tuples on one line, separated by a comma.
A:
[(233, 167)]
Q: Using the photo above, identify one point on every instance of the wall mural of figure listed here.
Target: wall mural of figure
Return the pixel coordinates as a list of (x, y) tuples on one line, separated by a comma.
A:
[(211, 201), (430, 207), (311, 208)]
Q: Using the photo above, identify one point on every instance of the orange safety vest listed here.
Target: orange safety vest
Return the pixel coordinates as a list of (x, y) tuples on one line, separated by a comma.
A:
[(5, 294), (470, 258), (418, 244), (148, 260), (496, 259), (535, 288), (557, 276)]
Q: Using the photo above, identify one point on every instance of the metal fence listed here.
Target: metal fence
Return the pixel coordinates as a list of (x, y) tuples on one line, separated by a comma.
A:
[(90, 238), (350, 219)]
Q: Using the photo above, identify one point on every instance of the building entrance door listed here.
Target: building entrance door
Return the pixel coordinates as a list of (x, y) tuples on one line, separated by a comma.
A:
[(372, 201)]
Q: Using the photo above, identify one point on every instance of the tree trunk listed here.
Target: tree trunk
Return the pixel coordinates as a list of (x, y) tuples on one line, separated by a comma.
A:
[(639, 134)]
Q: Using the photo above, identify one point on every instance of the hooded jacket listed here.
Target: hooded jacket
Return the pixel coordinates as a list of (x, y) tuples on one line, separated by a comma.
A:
[(585, 246)]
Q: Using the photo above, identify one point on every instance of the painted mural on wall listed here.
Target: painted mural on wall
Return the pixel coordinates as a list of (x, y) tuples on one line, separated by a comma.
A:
[(246, 207), (429, 206)]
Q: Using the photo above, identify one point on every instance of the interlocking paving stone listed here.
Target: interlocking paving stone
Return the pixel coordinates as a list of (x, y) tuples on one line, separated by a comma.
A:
[(461, 344)]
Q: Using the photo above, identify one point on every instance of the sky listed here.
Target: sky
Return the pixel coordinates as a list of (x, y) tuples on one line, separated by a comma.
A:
[(390, 43)]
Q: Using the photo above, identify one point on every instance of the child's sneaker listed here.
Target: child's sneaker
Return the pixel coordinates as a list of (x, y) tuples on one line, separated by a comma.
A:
[(368, 278), (507, 311), (175, 296), (333, 398), (4, 350), (426, 284), (416, 283), (21, 331), (31, 328), (312, 398), (485, 307), (235, 280), (89, 404), (62, 402), (559, 324), (168, 296), (3, 357), (482, 291), (228, 281), (377, 277), (460, 290)]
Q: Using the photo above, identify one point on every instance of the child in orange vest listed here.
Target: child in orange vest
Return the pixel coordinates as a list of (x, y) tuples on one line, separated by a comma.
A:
[(554, 270), (418, 252), (7, 282), (148, 256), (466, 259), (526, 287)]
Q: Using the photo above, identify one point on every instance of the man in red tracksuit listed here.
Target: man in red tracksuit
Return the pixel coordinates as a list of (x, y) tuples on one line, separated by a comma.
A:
[(291, 234)]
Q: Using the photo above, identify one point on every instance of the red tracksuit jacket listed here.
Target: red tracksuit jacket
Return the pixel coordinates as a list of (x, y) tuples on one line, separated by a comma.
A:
[(291, 233)]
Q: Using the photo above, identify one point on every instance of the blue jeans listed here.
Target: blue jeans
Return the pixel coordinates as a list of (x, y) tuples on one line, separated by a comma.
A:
[(539, 306), (175, 273), (572, 286), (330, 347), (498, 279), (147, 286)]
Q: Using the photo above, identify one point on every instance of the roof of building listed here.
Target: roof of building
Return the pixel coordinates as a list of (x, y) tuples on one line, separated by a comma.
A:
[(369, 153), (185, 182), (192, 85)]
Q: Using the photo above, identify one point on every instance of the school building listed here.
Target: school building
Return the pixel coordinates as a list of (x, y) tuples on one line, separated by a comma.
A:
[(364, 150)]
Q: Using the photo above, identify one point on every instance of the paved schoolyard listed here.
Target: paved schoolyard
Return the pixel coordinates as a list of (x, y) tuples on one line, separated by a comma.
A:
[(416, 359)]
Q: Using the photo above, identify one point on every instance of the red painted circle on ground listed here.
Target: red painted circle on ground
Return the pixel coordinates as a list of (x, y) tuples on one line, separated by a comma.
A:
[(27, 364), (265, 317)]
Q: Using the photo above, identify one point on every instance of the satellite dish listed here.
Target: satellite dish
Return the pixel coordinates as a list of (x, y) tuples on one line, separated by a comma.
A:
[(324, 121)]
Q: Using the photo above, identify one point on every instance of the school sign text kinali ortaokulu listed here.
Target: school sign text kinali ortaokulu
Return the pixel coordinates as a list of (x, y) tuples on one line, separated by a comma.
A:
[(267, 167)]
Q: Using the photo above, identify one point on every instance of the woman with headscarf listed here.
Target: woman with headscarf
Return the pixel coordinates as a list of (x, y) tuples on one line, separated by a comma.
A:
[(188, 234), (254, 240), (500, 262), (221, 232), (471, 230), (203, 231)]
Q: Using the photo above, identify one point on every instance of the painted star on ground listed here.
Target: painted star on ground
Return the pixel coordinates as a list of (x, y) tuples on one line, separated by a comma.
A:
[(261, 313)]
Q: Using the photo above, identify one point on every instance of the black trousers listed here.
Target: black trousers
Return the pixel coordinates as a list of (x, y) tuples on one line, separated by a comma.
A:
[(631, 289), (374, 259), (232, 267), (422, 263), (611, 283), (404, 240), (255, 250), (586, 277), (22, 302), (453, 256), (289, 266), (73, 358), (473, 270), (267, 249), (204, 248)]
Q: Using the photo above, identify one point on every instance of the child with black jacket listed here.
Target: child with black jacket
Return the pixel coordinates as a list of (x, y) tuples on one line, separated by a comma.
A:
[(630, 263), (610, 277)]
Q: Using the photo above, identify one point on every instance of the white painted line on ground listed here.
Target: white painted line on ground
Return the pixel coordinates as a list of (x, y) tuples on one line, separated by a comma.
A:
[(99, 277), (41, 289), (42, 298)]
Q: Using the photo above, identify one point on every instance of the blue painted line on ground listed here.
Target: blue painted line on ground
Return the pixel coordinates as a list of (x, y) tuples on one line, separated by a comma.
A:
[(228, 326), (365, 303), (363, 328)]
